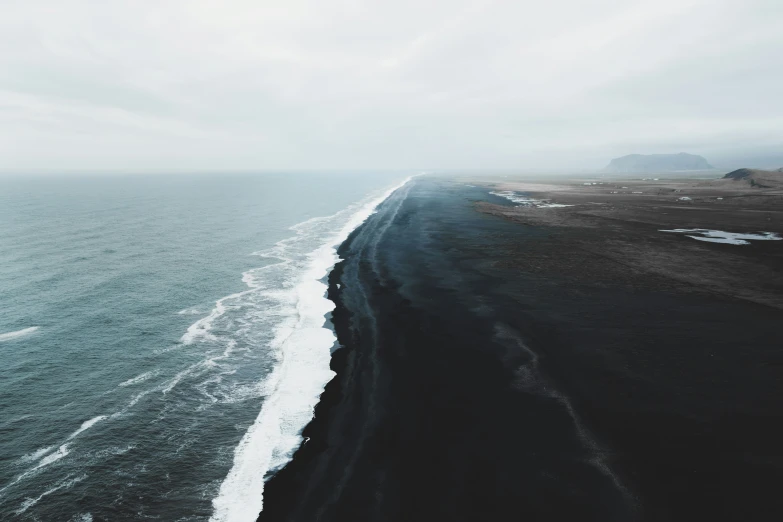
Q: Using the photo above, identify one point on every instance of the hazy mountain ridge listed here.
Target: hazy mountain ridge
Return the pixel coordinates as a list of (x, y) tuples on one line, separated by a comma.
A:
[(658, 163)]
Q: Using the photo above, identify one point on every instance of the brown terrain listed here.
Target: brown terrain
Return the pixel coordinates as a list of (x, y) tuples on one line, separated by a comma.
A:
[(611, 233)]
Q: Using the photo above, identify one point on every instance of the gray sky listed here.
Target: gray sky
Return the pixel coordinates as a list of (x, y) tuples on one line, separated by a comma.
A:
[(309, 84)]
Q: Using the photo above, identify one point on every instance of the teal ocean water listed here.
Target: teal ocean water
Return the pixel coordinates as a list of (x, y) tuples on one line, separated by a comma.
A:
[(163, 337)]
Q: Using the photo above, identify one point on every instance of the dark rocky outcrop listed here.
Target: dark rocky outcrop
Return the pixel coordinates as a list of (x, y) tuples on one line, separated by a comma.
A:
[(757, 177)]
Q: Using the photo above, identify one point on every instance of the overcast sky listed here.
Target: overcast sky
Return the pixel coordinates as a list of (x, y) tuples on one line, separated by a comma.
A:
[(321, 84)]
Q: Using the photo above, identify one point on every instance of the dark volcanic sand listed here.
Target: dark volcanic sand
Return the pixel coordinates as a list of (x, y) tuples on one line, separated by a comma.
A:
[(472, 388)]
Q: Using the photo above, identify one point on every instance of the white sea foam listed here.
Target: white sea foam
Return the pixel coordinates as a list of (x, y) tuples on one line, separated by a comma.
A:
[(86, 425), (190, 311), (139, 378), (729, 238), (61, 452), (302, 347), (9, 336), (46, 457), (215, 391), (65, 484), (202, 327), (134, 400), (32, 457), (197, 368), (525, 201)]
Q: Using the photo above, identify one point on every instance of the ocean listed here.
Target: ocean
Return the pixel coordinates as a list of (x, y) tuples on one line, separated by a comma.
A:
[(164, 338)]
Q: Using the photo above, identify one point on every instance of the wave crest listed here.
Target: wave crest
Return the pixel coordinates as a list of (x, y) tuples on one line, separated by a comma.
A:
[(18, 333)]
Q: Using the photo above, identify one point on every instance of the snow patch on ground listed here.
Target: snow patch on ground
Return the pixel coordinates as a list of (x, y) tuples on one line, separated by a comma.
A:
[(525, 201), (729, 238)]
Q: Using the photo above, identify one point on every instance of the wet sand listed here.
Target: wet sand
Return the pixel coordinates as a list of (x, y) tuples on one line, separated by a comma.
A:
[(501, 365)]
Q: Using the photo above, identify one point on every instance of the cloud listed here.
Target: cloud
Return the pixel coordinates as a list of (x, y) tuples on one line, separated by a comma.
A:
[(237, 84)]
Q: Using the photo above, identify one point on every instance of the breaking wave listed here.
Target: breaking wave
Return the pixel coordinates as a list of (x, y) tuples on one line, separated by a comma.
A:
[(300, 345)]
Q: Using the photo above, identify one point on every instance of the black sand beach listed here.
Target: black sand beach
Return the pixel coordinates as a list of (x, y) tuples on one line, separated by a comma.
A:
[(478, 381)]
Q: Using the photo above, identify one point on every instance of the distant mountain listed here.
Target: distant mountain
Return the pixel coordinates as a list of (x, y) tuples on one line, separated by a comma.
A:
[(658, 163), (757, 177)]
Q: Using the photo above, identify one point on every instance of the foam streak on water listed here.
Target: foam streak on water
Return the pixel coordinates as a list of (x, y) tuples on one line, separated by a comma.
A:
[(63, 485), (36, 454), (138, 379), (9, 336), (302, 346), (86, 425)]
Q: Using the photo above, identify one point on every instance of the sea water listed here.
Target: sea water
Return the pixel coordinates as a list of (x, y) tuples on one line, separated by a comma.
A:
[(163, 337)]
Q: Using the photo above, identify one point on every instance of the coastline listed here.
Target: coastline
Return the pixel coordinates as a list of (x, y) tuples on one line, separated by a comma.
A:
[(302, 373), (375, 448), (315, 433), (470, 383)]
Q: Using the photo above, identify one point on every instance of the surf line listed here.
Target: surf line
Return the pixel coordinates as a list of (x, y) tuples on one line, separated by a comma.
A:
[(305, 350)]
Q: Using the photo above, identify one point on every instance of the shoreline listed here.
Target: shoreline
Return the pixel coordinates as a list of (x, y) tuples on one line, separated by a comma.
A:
[(315, 431), (298, 381), (490, 369), (357, 461)]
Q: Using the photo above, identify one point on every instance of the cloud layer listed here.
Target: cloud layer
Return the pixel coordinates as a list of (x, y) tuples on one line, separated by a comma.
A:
[(316, 84)]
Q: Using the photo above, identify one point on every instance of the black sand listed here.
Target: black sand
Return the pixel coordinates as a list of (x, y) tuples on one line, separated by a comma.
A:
[(470, 388)]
